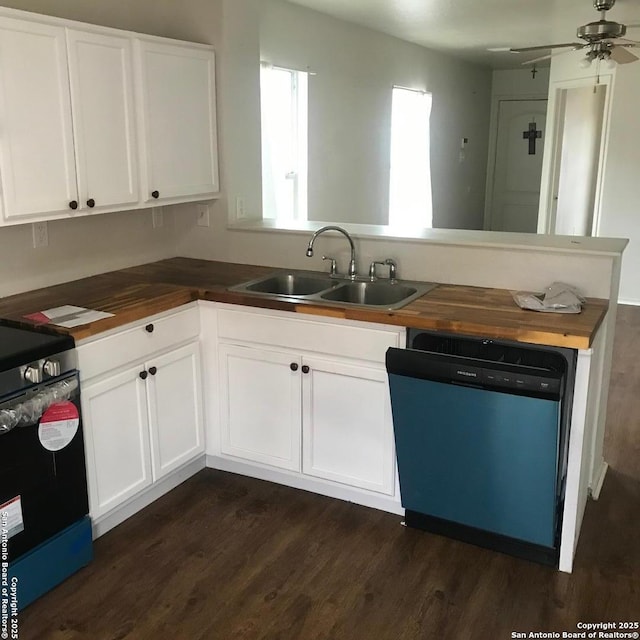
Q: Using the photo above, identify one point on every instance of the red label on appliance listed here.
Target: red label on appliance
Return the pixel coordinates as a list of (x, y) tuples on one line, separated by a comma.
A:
[(58, 425)]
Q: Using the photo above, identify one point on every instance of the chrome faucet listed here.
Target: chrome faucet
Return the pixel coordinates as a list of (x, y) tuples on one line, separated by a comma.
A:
[(352, 263)]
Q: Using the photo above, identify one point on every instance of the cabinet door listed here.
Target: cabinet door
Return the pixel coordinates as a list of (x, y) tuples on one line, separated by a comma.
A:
[(175, 406), (347, 427), (116, 426), (100, 70), (260, 405), (178, 120), (36, 147)]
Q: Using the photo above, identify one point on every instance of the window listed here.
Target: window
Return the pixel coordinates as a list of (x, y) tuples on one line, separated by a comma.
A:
[(410, 174), (283, 99)]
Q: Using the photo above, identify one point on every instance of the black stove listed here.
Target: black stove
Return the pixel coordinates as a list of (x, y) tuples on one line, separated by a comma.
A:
[(18, 344), (43, 486)]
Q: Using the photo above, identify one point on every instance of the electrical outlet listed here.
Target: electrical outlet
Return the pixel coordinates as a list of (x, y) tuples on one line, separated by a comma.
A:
[(203, 215), (241, 212), (157, 215), (40, 234)]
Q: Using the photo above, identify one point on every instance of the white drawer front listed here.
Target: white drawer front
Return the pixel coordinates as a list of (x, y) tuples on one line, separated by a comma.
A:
[(136, 343), (308, 335)]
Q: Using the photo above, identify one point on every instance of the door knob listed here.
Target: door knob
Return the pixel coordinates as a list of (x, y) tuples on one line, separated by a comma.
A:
[(293, 366), (155, 194), (305, 368), (143, 375), (73, 205), (91, 203), (153, 370)]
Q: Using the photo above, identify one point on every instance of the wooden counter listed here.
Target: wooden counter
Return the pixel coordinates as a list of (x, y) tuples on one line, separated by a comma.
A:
[(137, 292)]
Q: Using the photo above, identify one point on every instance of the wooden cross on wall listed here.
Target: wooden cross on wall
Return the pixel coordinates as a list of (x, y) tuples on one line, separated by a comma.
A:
[(532, 134)]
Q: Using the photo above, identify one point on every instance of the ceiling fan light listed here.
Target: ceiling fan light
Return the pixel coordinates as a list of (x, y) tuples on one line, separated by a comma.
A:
[(585, 62), (610, 63)]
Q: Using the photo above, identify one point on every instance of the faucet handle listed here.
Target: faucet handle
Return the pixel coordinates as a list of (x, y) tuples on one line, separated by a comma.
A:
[(393, 268), (372, 269), (333, 267)]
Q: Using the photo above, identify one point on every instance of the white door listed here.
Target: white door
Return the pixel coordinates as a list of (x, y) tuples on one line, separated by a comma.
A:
[(347, 426), (260, 398), (518, 165), (116, 426), (178, 120), (36, 155), (175, 407), (100, 70)]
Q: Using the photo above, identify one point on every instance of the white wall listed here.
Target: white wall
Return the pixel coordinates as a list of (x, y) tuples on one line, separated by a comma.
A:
[(350, 115), (99, 243)]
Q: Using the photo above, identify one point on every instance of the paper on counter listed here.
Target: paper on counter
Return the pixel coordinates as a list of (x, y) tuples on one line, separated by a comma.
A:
[(68, 316)]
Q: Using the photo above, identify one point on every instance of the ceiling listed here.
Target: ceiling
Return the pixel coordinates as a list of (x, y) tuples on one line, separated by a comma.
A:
[(467, 28)]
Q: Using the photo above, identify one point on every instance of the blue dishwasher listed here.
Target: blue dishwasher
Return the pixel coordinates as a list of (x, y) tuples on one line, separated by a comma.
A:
[(481, 430)]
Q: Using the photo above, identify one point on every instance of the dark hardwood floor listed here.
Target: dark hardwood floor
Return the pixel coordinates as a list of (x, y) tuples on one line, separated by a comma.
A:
[(227, 557)]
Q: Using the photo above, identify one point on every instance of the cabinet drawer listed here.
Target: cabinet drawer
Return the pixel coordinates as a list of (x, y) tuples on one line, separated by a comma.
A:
[(343, 340), (136, 343)]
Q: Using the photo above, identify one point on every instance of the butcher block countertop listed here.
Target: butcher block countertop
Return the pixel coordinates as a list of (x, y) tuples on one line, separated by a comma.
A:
[(137, 292)]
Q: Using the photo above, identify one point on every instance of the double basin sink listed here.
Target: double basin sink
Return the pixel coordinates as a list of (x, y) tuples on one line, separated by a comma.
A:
[(321, 288)]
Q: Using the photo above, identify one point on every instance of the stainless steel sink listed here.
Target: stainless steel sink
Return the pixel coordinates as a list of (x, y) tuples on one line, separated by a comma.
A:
[(377, 294), (319, 288), (291, 284)]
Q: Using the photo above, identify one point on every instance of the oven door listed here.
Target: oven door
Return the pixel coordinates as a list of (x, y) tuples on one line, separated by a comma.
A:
[(43, 486)]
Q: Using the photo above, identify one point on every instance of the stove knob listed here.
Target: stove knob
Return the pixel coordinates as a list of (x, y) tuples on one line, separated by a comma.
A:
[(33, 375), (51, 368)]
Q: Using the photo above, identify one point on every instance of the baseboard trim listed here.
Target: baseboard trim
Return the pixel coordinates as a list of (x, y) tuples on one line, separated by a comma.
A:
[(340, 492), (112, 519), (596, 487)]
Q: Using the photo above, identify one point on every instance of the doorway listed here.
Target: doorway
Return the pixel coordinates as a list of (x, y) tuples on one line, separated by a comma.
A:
[(576, 179), (515, 196)]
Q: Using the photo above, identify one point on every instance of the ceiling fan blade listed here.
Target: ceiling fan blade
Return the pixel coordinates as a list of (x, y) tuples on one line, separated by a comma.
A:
[(540, 59), (622, 55), (625, 41), (545, 47)]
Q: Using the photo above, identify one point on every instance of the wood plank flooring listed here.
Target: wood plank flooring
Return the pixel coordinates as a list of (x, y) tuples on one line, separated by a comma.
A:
[(226, 557)]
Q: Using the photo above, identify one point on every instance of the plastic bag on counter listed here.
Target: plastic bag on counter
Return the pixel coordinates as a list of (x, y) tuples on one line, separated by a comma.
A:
[(557, 298)]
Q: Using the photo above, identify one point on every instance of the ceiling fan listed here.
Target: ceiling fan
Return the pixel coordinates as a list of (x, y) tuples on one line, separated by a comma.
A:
[(602, 40)]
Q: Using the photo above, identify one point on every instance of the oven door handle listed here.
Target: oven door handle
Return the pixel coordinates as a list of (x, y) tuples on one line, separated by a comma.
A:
[(27, 410)]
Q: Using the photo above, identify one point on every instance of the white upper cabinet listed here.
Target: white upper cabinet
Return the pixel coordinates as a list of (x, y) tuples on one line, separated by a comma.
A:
[(36, 139), (94, 119), (177, 119), (101, 76)]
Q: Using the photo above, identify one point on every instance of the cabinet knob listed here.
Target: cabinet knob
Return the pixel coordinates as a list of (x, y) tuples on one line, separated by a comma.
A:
[(149, 328), (153, 370), (305, 368), (293, 366), (143, 375), (155, 194), (73, 205), (91, 203)]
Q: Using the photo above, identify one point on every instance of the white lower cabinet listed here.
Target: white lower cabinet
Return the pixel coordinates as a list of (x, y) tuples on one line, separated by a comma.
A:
[(346, 424), (142, 419), (260, 404), (175, 407), (116, 426), (325, 415)]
